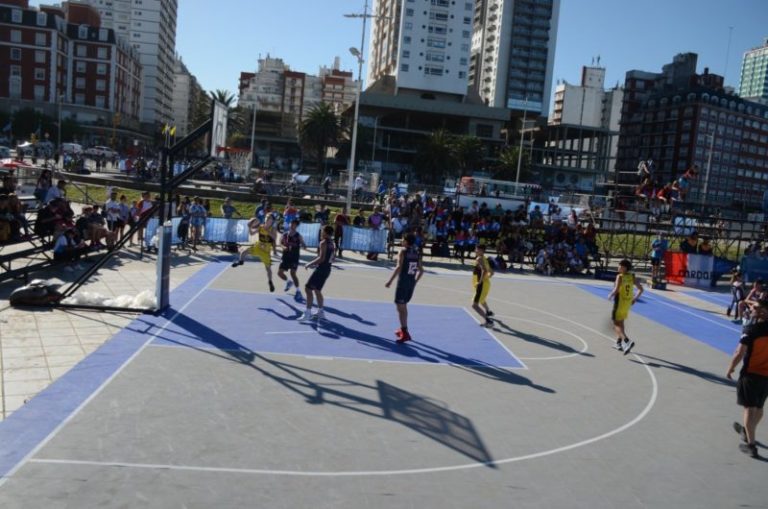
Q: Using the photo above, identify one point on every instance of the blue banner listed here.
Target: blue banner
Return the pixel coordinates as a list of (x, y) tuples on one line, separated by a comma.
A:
[(310, 232), (364, 239), (753, 267)]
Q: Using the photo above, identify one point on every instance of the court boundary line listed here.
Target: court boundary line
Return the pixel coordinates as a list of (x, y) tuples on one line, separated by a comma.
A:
[(493, 336), (53, 433)]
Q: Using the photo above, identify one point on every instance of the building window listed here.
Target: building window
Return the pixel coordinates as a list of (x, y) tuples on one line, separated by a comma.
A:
[(80, 66), (466, 34), (39, 74), (80, 83), (407, 39), (435, 43), (15, 53), (435, 57), (39, 57), (408, 25), (42, 19), (467, 20), (433, 71), (16, 15), (438, 16), (79, 98), (16, 36), (82, 50), (406, 54), (101, 85), (101, 53), (468, 6), (39, 92), (463, 61), (100, 101), (101, 69), (465, 47), (82, 32), (404, 67), (41, 39), (437, 29), (103, 34), (409, 12), (462, 74), (16, 70)]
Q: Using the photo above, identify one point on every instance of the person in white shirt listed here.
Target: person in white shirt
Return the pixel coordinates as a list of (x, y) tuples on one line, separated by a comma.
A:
[(112, 211), (60, 191)]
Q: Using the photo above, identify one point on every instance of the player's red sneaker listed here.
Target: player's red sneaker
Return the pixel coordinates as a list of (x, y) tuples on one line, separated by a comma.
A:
[(405, 336), (399, 333)]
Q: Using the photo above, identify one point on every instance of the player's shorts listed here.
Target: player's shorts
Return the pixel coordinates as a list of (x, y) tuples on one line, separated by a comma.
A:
[(289, 263), (318, 278), (481, 291), (655, 262), (620, 310), (263, 252), (404, 292), (752, 390)]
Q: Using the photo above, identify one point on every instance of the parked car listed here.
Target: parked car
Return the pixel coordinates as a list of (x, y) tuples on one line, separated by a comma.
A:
[(5, 152), (100, 151), (71, 148)]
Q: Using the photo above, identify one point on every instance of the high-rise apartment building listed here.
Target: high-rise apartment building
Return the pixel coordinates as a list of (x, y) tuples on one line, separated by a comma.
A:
[(186, 94), (754, 74), (513, 53), (424, 45), (150, 27)]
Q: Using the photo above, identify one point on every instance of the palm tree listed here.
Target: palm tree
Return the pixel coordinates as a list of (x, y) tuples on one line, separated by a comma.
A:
[(507, 167), (320, 131), (223, 96), (468, 153), (435, 157)]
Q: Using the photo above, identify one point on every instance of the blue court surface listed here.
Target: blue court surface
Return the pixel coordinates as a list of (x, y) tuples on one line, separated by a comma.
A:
[(268, 323), (708, 328)]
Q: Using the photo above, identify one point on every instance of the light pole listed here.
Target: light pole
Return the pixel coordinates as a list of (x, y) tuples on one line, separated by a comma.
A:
[(351, 176), (58, 134), (520, 152), (253, 135), (709, 166), (357, 53)]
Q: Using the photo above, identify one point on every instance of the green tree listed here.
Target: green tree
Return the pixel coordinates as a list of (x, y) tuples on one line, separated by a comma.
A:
[(468, 153), (435, 157), (320, 131), (223, 96), (507, 167)]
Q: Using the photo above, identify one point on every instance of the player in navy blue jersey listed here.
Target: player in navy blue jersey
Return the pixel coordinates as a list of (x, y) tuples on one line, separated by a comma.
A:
[(408, 272), (292, 242), (322, 266)]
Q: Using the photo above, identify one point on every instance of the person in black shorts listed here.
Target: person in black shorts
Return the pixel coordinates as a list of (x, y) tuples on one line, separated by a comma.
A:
[(292, 242), (752, 386), (322, 266), (408, 271)]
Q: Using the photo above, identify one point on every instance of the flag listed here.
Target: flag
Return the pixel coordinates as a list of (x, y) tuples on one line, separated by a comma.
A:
[(165, 128), (173, 131), (7, 127)]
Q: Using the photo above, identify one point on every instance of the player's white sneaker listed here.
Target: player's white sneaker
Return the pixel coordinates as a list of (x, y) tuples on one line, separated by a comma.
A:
[(320, 315), (288, 285), (306, 316)]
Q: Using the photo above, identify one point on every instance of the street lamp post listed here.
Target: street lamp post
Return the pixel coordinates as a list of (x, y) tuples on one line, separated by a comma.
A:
[(709, 166), (351, 176), (520, 152), (253, 135)]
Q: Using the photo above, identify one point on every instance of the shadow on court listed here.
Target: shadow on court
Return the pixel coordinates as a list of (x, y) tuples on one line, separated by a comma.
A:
[(425, 416), (656, 362), (538, 340)]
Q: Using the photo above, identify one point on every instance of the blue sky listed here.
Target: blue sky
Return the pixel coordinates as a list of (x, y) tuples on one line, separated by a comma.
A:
[(218, 43)]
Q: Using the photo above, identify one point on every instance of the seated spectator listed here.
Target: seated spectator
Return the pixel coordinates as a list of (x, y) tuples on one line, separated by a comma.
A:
[(19, 212), (60, 191), (705, 248), (322, 214), (542, 265), (536, 217), (9, 227), (689, 245), (69, 248), (359, 219)]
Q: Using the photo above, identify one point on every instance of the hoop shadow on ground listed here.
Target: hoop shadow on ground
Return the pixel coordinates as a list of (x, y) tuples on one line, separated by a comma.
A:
[(538, 340), (423, 415)]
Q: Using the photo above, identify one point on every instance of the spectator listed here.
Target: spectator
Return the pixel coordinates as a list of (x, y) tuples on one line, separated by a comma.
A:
[(112, 210), (322, 214), (197, 216), (705, 248), (339, 222), (44, 183), (327, 185), (60, 191), (228, 210), (689, 245), (68, 248), (659, 247)]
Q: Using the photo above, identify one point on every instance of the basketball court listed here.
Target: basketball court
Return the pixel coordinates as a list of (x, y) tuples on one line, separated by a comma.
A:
[(227, 400)]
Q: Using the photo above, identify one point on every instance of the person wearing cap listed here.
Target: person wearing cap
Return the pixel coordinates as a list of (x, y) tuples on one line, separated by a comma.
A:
[(624, 296), (752, 385)]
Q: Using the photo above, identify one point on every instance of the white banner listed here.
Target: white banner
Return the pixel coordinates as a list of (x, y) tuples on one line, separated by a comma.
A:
[(698, 271)]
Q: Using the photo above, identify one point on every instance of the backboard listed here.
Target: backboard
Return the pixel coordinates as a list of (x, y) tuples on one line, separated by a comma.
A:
[(218, 138)]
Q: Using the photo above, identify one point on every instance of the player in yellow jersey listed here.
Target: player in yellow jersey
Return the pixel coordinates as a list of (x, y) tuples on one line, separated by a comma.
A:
[(262, 248), (481, 280), (623, 295)]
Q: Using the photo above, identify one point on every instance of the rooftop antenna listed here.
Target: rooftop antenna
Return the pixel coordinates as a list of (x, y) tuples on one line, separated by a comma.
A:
[(598, 59), (727, 53)]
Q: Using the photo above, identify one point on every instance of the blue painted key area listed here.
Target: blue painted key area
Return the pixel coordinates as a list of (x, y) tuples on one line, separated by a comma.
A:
[(268, 323)]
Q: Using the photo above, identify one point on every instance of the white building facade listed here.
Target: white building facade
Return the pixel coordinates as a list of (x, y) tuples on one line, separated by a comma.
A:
[(425, 45), (150, 27)]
